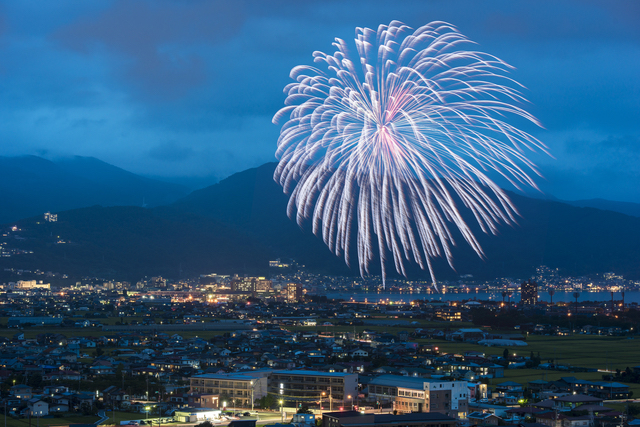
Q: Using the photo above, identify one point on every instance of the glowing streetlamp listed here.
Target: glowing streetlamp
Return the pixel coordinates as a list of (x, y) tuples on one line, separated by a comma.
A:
[(281, 409), (351, 397)]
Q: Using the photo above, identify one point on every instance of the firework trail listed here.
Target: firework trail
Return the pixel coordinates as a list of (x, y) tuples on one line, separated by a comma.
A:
[(382, 144)]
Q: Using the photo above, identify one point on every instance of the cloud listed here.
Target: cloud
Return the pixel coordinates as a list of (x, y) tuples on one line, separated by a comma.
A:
[(159, 39), (171, 151), (591, 165), (189, 86), (613, 150)]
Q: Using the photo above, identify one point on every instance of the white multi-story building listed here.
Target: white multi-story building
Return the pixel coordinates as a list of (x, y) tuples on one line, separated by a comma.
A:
[(334, 389), (241, 388), (29, 284), (422, 394)]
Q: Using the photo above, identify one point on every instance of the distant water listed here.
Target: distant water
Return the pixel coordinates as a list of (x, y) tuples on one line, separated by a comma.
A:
[(629, 296)]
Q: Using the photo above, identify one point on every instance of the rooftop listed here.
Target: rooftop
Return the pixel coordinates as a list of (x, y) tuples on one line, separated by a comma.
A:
[(316, 373)]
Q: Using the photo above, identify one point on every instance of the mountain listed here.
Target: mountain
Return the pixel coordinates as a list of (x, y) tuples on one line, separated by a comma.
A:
[(237, 225), (627, 208), (31, 185), (579, 240)]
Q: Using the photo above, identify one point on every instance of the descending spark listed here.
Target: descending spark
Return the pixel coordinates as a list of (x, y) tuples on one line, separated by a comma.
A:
[(386, 142)]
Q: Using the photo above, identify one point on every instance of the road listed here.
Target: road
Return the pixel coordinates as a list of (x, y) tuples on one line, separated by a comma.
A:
[(103, 418)]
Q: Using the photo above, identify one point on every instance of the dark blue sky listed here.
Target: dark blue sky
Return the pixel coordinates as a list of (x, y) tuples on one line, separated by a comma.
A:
[(188, 88)]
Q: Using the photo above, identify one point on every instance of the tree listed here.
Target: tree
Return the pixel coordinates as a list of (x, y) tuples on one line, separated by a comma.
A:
[(304, 409), (267, 402), (86, 408), (224, 398), (34, 381)]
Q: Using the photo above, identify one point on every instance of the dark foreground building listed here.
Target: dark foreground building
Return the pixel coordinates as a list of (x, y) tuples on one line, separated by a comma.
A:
[(357, 419)]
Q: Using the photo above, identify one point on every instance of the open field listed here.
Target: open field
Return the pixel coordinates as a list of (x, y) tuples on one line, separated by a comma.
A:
[(44, 422), (589, 351)]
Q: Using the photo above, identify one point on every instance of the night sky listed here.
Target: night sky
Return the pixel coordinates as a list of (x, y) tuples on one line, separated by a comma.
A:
[(187, 89)]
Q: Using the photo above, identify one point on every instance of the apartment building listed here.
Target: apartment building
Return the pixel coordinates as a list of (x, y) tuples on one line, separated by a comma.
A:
[(231, 389), (332, 389), (421, 394)]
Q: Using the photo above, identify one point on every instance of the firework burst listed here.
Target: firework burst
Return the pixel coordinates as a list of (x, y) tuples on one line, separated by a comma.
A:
[(385, 144)]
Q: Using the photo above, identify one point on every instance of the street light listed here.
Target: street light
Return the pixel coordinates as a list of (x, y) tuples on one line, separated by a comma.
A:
[(281, 410), (351, 397)]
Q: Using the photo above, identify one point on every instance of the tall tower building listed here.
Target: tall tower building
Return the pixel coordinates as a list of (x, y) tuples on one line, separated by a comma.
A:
[(294, 292), (529, 293)]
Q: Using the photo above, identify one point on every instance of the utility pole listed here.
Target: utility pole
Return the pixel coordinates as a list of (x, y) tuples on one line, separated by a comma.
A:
[(330, 400), (252, 385)]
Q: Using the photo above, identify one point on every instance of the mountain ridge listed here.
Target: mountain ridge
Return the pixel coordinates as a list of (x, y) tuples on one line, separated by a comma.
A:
[(32, 185), (238, 224)]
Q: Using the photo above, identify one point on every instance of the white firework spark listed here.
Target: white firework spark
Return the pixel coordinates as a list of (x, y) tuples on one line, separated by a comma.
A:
[(385, 140)]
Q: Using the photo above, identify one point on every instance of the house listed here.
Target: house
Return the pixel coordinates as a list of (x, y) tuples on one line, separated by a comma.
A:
[(115, 396), (54, 389), (510, 387), (21, 391), (403, 336), (58, 408), (202, 400), (83, 324), (467, 335), (482, 418), (87, 343), (38, 408), (69, 356)]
